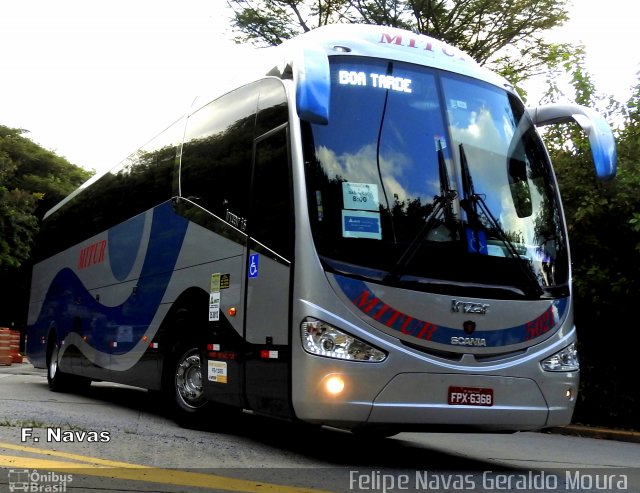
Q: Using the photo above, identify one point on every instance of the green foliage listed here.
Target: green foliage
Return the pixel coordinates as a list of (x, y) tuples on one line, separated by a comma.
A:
[(604, 228), (17, 226), (270, 21), (32, 179)]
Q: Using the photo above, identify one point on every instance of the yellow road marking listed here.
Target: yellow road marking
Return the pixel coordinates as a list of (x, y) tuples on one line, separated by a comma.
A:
[(93, 466), (80, 458)]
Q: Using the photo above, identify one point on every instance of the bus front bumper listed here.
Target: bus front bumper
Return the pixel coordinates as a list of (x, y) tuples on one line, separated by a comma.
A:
[(449, 401)]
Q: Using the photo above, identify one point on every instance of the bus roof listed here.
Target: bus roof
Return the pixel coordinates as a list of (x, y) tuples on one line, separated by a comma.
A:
[(288, 59), (395, 44)]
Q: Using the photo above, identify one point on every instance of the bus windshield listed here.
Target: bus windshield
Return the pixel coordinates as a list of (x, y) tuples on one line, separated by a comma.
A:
[(433, 181)]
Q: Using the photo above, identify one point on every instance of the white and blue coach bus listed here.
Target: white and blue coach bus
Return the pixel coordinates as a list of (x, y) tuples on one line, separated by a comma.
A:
[(365, 233)]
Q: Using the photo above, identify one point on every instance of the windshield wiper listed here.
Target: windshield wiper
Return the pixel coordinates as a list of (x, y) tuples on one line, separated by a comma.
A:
[(441, 204), (473, 204)]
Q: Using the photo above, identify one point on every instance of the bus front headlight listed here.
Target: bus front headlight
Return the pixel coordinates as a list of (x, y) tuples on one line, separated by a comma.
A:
[(564, 360), (323, 339)]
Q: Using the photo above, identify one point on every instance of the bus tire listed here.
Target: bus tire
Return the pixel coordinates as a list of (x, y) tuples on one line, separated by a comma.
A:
[(185, 385), (57, 380)]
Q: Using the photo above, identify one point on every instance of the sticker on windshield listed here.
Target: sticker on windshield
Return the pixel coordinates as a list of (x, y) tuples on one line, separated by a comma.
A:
[(360, 196), (361, 224), (458, 104), (440, 142), (477, 242)]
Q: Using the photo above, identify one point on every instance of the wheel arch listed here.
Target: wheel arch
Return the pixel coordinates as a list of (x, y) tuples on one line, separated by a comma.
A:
[(186, 318)]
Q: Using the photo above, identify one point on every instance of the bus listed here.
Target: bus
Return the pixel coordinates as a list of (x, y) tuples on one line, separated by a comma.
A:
[(363, 231)]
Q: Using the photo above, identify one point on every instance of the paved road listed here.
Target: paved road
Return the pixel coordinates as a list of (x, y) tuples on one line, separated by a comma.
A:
[(118, 438)]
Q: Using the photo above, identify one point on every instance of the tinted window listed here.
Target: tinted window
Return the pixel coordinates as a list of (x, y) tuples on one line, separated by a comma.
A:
[(270, 222), (140, 182), (217, 160), (216, 157)]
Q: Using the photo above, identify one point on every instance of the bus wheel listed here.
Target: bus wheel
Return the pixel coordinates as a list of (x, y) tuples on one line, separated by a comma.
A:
[(58, 381), (187, 385)]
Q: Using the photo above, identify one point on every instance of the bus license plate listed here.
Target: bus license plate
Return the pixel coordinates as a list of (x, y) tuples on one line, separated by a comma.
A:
[(470, 396)]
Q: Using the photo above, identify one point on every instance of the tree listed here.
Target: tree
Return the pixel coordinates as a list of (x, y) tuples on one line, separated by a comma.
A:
[(506, 34), (32, 179), (26, 166), (604, 230), (17, 226)]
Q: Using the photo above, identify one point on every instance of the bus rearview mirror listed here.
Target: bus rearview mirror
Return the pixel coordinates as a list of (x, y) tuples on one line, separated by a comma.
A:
[(603, 146), (313, 86)]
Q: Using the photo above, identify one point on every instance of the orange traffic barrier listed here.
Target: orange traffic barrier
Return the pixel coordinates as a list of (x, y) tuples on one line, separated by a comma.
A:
[(14, 348), (5, 347)]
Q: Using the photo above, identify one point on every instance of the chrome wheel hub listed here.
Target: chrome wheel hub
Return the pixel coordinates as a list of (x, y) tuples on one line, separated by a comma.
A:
[(189, 380)]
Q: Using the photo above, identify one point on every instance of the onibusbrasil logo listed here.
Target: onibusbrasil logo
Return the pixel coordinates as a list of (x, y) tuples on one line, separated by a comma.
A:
[(36, 481)]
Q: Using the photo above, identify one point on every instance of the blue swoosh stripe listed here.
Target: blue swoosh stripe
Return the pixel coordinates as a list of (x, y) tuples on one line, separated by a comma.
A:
[(368, 303), (68, 304)]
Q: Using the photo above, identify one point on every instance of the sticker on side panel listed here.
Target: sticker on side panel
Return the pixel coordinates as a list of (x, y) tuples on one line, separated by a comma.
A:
[(214, 307), (124, 333), (253, 265), (214, 298), (215, 283), (361, 224), (360, 196), (217, 371), (225, 281)]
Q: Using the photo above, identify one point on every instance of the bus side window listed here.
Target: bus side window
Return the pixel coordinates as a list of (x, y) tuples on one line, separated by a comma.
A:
[(270, 222), (216, 156), (140, 182)]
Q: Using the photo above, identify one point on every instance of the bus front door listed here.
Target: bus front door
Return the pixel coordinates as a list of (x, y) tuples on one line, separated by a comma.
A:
[(268, 277)]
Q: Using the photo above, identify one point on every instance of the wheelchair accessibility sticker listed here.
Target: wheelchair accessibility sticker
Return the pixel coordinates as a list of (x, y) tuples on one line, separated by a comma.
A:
[(253, 264), (477, 242)]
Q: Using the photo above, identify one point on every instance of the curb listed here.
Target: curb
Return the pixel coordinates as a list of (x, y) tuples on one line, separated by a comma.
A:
[(597, 432), (24, 368)]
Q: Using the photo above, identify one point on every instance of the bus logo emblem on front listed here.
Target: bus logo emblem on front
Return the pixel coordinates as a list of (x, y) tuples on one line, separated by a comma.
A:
[(469, 307), (469, 327)]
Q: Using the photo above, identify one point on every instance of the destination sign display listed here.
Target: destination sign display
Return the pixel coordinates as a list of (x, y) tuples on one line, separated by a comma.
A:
[(376, 80)]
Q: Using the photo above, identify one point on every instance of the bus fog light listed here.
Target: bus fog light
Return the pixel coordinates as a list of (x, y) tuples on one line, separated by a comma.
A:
[(324, 339), (334, 385), (570, 394), (564, 360)]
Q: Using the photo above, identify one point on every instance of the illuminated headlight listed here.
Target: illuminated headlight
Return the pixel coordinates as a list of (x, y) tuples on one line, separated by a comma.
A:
[(325, 340), (565, 360)]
